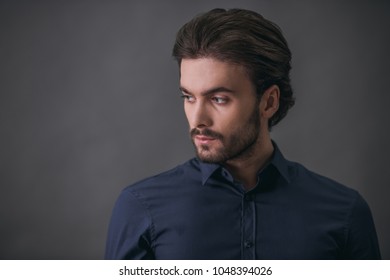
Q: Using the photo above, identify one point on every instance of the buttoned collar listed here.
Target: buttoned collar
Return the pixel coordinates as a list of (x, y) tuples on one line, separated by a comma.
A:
[(277, 160)]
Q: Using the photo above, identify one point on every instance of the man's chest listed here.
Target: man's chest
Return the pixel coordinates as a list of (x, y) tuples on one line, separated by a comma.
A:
[(244, 229)]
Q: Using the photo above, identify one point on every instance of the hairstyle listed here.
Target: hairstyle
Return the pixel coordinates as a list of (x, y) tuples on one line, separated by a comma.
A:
[(246, 38)]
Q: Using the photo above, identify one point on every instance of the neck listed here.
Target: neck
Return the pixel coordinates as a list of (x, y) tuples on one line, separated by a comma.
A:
[(245, 169)]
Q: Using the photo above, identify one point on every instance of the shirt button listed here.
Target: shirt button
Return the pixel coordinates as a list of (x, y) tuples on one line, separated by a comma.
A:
[(248, 244), (248, 197)]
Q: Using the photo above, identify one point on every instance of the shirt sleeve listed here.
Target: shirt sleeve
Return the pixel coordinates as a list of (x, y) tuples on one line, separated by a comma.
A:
[(129, 230), (362, 241)]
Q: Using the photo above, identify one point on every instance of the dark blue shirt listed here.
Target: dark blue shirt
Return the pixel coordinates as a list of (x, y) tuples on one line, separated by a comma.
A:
[(198, 211)]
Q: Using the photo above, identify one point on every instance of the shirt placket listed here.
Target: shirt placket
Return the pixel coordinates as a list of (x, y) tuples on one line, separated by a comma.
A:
[(248, 227)]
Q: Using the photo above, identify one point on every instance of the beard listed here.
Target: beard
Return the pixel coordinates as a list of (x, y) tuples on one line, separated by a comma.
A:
[(239, 144)]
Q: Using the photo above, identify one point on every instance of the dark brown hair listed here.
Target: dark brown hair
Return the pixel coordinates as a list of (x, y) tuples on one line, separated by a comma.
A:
[(242, 37)]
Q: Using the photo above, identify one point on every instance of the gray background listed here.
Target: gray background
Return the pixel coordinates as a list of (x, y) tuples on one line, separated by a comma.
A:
[(89, 103)]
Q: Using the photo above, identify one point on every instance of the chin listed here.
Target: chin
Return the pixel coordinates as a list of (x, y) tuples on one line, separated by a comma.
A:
[(209, 157)]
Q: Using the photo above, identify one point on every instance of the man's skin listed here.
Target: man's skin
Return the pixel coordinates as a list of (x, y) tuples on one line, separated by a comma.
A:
[(229, 121)]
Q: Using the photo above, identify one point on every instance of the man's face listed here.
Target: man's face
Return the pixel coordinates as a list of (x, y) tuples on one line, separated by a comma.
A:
[(221, 107)]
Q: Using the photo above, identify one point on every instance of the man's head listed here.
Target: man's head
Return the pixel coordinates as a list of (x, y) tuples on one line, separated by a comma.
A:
[(245, 38), (234, 68)]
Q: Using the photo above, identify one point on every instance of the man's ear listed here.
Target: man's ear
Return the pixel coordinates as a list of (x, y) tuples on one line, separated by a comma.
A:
[(269, 103)]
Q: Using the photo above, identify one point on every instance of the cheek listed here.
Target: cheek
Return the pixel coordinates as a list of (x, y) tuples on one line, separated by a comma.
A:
[(230, 120), (187, 113), (236, 118)]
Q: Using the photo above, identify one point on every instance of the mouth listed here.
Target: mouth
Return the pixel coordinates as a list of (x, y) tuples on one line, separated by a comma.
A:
[(204, 140)]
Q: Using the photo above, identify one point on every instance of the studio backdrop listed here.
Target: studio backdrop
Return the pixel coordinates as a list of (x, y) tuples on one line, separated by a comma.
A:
[(89, 103)]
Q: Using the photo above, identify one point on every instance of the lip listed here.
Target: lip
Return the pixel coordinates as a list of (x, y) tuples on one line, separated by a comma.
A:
[(204, 139)]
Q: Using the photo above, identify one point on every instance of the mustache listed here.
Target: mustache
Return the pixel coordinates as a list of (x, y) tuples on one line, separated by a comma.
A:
[(206, 132)]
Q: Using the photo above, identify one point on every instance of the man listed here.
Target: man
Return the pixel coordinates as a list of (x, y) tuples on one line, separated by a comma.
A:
[(239, 198)]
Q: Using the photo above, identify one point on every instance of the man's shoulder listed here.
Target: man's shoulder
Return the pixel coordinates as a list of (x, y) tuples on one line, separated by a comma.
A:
[(312, 181), (171, 177), (302, 180)]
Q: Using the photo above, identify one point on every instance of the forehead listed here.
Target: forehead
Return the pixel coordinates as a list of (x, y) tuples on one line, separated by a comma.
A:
[(201, 74)]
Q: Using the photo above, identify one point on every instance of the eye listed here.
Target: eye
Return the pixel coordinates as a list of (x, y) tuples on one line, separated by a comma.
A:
[(188, 98), (219, 100)]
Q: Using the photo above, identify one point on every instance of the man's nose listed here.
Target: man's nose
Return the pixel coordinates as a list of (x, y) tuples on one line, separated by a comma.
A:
[(200, 116)]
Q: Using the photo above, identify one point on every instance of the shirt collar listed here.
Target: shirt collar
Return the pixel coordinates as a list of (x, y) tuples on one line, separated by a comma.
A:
[(280, 163), (207, 169), (277, 160)]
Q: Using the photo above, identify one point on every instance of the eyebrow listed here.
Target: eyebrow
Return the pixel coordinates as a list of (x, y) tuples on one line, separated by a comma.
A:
[(209, 91)]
